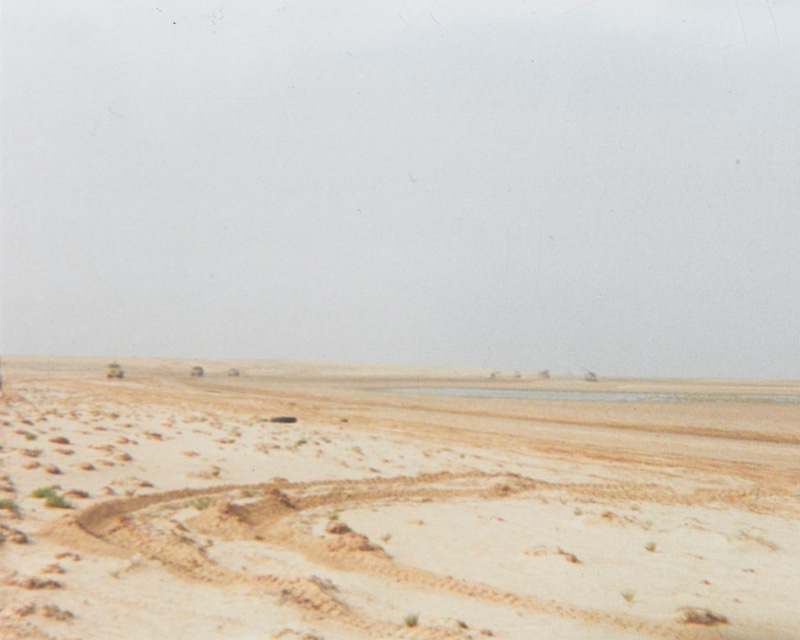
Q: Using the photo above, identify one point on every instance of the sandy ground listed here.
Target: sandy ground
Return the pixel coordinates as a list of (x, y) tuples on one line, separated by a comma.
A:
[(384, 515)]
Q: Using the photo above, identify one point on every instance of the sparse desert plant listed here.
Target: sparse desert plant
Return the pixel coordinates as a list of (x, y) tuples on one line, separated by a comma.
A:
[(55, 501), (30, 436), (9, 504), (202, 503), (628, 595), (694, 615), (301, 442), (411, 620), (43, 492), (650, 546), (570, 557), (577, 511)]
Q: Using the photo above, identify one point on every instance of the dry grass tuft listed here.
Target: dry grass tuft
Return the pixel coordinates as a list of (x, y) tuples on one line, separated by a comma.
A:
[(695, 615)]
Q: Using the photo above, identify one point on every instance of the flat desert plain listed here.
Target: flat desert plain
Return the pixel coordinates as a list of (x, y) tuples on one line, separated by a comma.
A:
[(169, 506)]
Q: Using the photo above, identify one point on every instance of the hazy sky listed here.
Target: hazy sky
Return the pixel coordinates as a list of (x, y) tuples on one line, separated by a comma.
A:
[(520, 185)]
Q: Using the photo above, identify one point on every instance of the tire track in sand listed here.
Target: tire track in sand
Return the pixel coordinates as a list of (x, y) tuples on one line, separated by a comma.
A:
[(128, 525)]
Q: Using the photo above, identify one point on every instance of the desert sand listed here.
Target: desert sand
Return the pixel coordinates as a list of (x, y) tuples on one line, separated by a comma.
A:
[(180, 509)]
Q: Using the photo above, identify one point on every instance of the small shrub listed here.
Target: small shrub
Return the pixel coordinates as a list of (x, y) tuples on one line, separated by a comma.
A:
[(411, 619), (628, 595), (570, 557), (300, 443), (202, 503), (650, 546), (693, 615), (577, 511), (9, 504), (55, 501), (30, 436), (44, 492)]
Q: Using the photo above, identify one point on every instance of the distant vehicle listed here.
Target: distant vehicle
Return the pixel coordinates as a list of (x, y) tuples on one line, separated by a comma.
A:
[(233, 373), (197, 372), (115, 371)]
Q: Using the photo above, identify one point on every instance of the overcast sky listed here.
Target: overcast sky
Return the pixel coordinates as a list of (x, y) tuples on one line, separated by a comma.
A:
[(520, 185)]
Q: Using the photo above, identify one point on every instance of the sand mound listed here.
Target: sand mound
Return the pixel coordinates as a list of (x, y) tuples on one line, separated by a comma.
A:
[(228, 520), (343, 538), (13, 579), (10, 534)]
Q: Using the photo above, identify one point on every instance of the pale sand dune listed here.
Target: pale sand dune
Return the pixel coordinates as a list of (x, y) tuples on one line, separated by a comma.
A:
[(195, 516)]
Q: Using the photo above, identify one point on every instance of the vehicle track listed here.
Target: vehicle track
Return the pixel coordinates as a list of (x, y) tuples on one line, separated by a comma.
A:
[(274, 513)]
